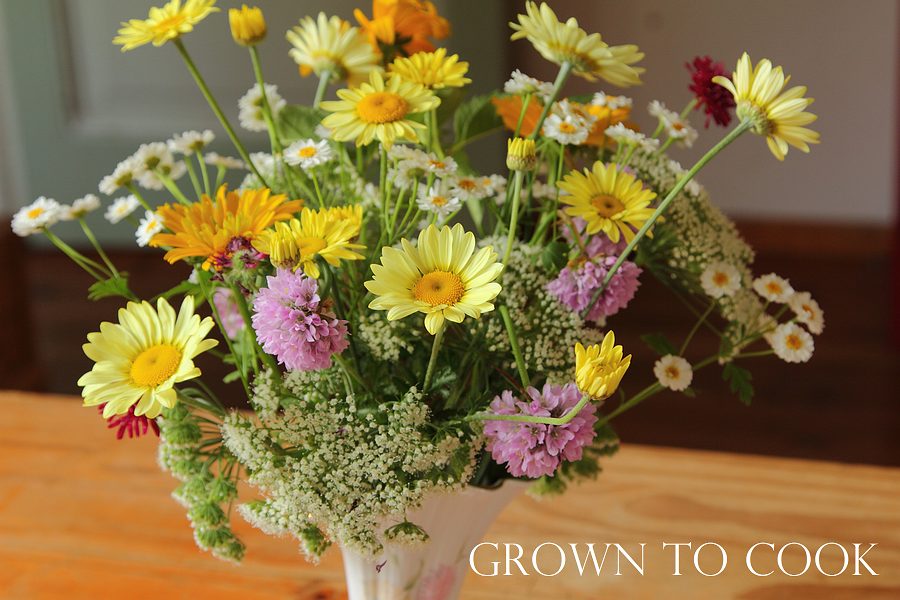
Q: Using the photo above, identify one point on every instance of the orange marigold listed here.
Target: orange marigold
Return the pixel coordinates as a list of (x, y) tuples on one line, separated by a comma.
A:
[(510, 107), (215, 229), (402, 27)]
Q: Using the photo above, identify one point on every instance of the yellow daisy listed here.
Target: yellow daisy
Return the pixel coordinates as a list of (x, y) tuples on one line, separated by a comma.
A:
[(351, 213), (434, 70), (140, 359), (599, 368), (214, 230), (609, 200), (378, 109), (778, 115), (589, 55), (317, 233), (164, 24), (442, 276), (332, 44)]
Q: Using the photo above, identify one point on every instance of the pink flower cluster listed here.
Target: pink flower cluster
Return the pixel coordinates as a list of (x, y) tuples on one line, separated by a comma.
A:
[(294, 325), (575, 285), (535, 449)]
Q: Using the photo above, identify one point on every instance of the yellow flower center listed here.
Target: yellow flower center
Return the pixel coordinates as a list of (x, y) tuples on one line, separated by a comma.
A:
[(437, 164), (606, 205), (677, 126), (382, 107), (169, 23), (566, 127), (793, 342), (34, 213), (773, 287), (672, 372), (466, 184), (155, 365), (808, 310), (439, 201), (720, 279), (307, 152), (310, 246), (439, 287)]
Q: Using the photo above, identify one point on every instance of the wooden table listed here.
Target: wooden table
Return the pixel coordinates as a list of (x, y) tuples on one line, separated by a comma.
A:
[(85, 516)]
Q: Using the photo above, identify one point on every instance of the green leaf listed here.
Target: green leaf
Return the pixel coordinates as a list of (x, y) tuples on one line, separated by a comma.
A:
[(689, 392), (659, 344), (739, 380), (474, 117), (233, 376), (554, 256), (297, 122), (114, 286)]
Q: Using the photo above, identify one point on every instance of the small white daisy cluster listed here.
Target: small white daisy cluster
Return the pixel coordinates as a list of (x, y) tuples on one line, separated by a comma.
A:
[(267, 166), (37, 216), (790, 342), (308, 154), (145, 166), (223, 162), (202, 491), (624, 136), (250, 107), (190, 142), (350, 472), (520, 84), (567, 124), (121, 208), (150, 225), (676, 128), (547, 329), (611, 102)]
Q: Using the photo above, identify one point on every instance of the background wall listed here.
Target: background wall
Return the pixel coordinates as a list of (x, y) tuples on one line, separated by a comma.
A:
[(844, 51)]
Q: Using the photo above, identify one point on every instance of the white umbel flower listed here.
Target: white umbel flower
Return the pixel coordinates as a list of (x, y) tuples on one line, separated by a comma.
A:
[(123, 175), (673, 372), (629, 137), (611, 102), (791, 343), (150, 225), (808, 312), (78, 209), (40, 214), (121, 208), (720, 279), (308, 153), (520, 84), (438, 199), (189, 142), (250, 112), (223, 162), (773, 288)]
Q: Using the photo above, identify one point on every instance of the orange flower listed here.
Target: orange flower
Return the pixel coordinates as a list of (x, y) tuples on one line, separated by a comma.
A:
[(510, 107), (215, 230), (402, 27)]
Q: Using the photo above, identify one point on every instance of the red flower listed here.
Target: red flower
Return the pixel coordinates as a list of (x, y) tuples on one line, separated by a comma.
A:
[(134, 426), (716, 101)]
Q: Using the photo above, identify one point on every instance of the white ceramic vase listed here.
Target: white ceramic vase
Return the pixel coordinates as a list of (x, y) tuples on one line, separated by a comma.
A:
[(435, 570)]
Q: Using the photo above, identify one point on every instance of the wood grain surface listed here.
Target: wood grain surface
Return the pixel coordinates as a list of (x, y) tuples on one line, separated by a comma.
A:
[(85, 516)]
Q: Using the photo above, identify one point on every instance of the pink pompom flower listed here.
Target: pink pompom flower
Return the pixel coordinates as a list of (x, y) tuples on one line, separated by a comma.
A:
[(535, 449), (293, 324)]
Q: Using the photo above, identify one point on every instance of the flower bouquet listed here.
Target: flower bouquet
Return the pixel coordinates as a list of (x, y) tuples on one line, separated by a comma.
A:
[(414, 337)]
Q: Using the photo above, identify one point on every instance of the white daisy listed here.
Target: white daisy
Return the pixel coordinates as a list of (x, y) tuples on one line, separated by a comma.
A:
[(660, 111), (121, 208), (773, 288), (496, 184), (42, 213), (308, 153), (250, 107), (469, 187), (189, 142), (123, 175), (808, 312), (630, 137), (440, 167), (569, 130), (611, 102), (150, 225), (673, 372), (150, 180), (400, 152), (520, 84), (439, 200), (153, 158), (720, 279), (791, 343), (79, 208), (676, 128), (543, 191), (224, 162)]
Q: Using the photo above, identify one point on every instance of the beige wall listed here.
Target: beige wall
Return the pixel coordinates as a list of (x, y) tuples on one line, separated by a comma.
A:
[(845, 51)]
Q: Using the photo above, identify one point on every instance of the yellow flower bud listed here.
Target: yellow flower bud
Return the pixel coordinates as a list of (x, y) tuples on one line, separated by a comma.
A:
[(248, 27), (521, 154), (599, 368)]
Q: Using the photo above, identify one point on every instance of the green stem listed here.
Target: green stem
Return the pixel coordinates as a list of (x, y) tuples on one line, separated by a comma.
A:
[(514, 214), (170, 185), (208, 294), (204, 172), (244, 309), (687, 109), (525, 101), (269, 117), (514, 346), (93, 240), (201, 83), (564, 70), (434, 133), (696, 327), (324, 78), (432, 362), (137, 194), (757, 354), (93, 268), (732, 135), (573, 412), (192, 174)]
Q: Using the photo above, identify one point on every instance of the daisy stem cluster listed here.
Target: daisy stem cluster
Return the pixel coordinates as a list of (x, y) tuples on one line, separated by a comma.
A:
[(217, 110), (734, 134), (321, 88)]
